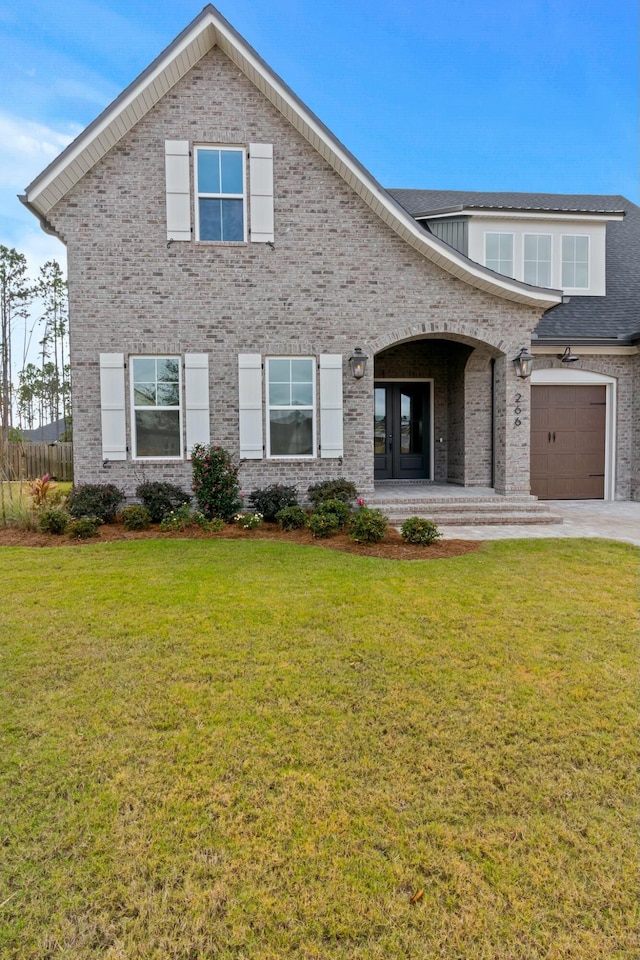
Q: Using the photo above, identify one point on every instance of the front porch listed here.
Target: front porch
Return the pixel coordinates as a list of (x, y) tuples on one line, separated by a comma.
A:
[(452, 505)]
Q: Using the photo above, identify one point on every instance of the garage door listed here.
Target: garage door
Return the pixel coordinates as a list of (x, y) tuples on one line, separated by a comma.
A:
[(567, 442)]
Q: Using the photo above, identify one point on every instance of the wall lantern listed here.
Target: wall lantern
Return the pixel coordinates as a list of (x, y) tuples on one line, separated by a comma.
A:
[(358, 363), (568, 356), (523, 364)]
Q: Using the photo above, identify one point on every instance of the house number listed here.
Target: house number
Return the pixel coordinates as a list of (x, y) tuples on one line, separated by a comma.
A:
[(518, 410)]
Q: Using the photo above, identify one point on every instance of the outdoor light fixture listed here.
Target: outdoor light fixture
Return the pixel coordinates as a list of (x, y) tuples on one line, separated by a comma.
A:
[(567, 356), (358, 363), (523, 364)]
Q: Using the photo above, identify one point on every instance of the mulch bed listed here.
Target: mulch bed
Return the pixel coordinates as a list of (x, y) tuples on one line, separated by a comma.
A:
[(392, 547)]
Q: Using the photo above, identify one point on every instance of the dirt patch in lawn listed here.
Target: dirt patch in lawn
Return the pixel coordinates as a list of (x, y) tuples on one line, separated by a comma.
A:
[(392, 547)]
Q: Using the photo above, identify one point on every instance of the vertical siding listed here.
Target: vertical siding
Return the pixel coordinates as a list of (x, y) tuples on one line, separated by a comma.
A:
[(453, 232)]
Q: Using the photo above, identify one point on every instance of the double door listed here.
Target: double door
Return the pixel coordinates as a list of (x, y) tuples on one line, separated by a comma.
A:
[(401, 431)]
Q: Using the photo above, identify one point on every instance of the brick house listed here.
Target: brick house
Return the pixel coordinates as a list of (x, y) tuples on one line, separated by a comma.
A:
[(228, 258)]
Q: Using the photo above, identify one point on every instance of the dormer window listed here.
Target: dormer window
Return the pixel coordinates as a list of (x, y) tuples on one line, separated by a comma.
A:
[(220, 201), (537, 259), (575, 262), (498, 251)]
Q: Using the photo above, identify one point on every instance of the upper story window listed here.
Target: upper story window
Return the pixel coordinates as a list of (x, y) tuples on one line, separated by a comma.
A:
[(156, 392), (498, 252), (220, 200), (537, 259), (291, 407), (575, 262)]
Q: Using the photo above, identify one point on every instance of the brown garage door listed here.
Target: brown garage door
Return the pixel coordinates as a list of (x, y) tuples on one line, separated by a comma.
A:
[(567, 442)]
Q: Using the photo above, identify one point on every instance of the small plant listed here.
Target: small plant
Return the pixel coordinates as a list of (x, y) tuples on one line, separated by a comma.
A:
[(338, 507), (136, 517), (420, 530), (368, 526), (83, 528), (323, 524), (249, 521), (53, 520), (269, 501), (99, 500), (292, 518), (215, 482), (160, 498), (340, 489), (41, 490), (179, 519)]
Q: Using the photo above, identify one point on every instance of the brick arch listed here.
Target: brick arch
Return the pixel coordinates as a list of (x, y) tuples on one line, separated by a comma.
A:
[(456, 330)]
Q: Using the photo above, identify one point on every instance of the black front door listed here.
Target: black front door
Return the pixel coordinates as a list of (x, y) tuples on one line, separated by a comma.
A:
[(401, 431)]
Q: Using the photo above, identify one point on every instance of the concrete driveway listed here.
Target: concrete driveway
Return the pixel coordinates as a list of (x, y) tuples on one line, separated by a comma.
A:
[(613, 520)]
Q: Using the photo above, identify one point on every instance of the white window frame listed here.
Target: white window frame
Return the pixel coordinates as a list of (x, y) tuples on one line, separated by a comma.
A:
[(220, 196), (537, 261), (134, 408), (501, 233), (574, 236), (313, 407)]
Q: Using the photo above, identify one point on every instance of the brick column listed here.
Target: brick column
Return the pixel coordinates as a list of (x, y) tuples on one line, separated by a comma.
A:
[(512, 429)]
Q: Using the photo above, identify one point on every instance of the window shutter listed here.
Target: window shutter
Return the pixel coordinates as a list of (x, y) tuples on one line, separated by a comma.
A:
[(196, 392), (250, 405), (112, 406), (331, 444), (261, 183), (176, 161)]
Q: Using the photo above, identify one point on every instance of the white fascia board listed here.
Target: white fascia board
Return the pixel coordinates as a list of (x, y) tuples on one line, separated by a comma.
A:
[(524, 215)]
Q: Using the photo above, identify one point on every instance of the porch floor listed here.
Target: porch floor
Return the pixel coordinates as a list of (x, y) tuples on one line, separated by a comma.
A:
[(402, 490)]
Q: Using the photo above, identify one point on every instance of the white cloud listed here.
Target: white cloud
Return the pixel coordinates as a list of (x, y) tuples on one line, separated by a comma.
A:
[(26, 148)]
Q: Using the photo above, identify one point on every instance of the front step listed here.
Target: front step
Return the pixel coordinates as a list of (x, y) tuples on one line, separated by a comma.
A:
[(466, 511)]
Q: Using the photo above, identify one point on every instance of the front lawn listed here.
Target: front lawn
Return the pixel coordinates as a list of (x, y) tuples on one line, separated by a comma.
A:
[(232, 749)]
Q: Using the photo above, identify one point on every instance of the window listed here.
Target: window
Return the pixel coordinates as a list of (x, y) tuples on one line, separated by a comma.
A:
[(498, 249), (537, 259), (156, 391), (220, 178), (575, 263), (291, 407)]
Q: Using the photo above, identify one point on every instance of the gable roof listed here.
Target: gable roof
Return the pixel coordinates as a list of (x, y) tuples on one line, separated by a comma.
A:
[(427, 203), (210, 29)]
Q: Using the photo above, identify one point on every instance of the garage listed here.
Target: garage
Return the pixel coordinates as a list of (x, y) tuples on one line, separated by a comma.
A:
[(568, 438)]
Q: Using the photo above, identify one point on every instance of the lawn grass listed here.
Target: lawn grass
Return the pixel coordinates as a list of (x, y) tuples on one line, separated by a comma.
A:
[(227, 749)]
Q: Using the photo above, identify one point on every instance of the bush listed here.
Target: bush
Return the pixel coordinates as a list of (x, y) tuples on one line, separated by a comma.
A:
[(323, 524), (269, 501), (99, 500), (161, 498), (338, 507), (136, 517), (292, 518), (42, 489), (340, 489), (215, 482), (183, 517), (52, 520), (368, 526), (83, 528), (249, 521), (420, 530)]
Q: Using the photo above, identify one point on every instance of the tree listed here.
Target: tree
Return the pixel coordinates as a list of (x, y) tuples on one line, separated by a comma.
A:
[(15, 294), (52, 289)]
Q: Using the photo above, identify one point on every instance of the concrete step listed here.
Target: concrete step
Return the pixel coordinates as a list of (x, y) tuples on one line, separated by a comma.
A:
[(467, 512)]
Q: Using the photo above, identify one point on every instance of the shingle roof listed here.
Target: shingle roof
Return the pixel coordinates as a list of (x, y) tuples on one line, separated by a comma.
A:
[(614, 317)]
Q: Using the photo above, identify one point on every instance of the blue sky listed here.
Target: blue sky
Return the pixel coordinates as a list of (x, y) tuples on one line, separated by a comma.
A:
[(532, 95)]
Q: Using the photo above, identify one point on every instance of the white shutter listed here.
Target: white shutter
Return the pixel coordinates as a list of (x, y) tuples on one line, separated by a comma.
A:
[(331, 444), (112, 406), (261, 185), (250, 405), (176, 162), (196, 393)]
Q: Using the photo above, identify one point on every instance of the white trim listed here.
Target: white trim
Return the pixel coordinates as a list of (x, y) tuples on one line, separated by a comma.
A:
[(555, 377), (523, 215), (432, 424), (220, 196), (134, 439), (314, 412)]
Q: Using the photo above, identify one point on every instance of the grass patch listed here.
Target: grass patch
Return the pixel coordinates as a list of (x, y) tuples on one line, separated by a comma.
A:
[(226, 749)]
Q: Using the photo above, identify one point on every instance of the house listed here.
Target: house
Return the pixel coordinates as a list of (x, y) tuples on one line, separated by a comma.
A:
[(230, 263)]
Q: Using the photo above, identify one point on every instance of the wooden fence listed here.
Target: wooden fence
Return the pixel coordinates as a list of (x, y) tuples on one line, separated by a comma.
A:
[(26, 461)]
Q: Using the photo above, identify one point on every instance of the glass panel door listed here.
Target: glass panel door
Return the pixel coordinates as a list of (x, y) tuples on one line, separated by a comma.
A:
[(401, 431)]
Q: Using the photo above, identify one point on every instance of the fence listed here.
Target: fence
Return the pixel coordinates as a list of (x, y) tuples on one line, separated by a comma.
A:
[(26, 461)]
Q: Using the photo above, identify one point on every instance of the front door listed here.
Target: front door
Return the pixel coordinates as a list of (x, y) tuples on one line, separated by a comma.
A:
[(401, 431)]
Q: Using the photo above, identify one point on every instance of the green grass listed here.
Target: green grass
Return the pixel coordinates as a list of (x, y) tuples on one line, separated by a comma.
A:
[(227, 749)]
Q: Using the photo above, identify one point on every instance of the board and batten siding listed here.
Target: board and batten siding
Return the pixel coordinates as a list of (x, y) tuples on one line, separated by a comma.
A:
[(453, 232)]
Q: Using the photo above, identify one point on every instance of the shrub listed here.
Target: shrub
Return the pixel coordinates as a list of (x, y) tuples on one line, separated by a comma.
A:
[(83, 528), (41, 490), (179, 519), (161, 498), (136, 517), (53, 520), (323, 524), (420, 530), (292, 518), (340, 489), (367, 525), (337, 507), (249, 521), (99, 500), (269, 501), (215, 482)]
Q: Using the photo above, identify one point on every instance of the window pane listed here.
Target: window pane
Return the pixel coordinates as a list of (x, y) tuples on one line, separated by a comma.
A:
[(167, 371), (568, 275), (492, 248), (144, 394), (279, 371), (232, 219), (144, 369), (302, 371), (544, 274), (231, 162), (210, 219), (157, 433), (279, 394), (581, 275), (168, 395), (301, 394), (291, 433), (568, 248), (208, 171), (582, 249)]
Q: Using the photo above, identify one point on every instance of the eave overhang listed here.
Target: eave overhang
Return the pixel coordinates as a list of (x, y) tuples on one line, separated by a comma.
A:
[(517, 213), (210, 29)]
